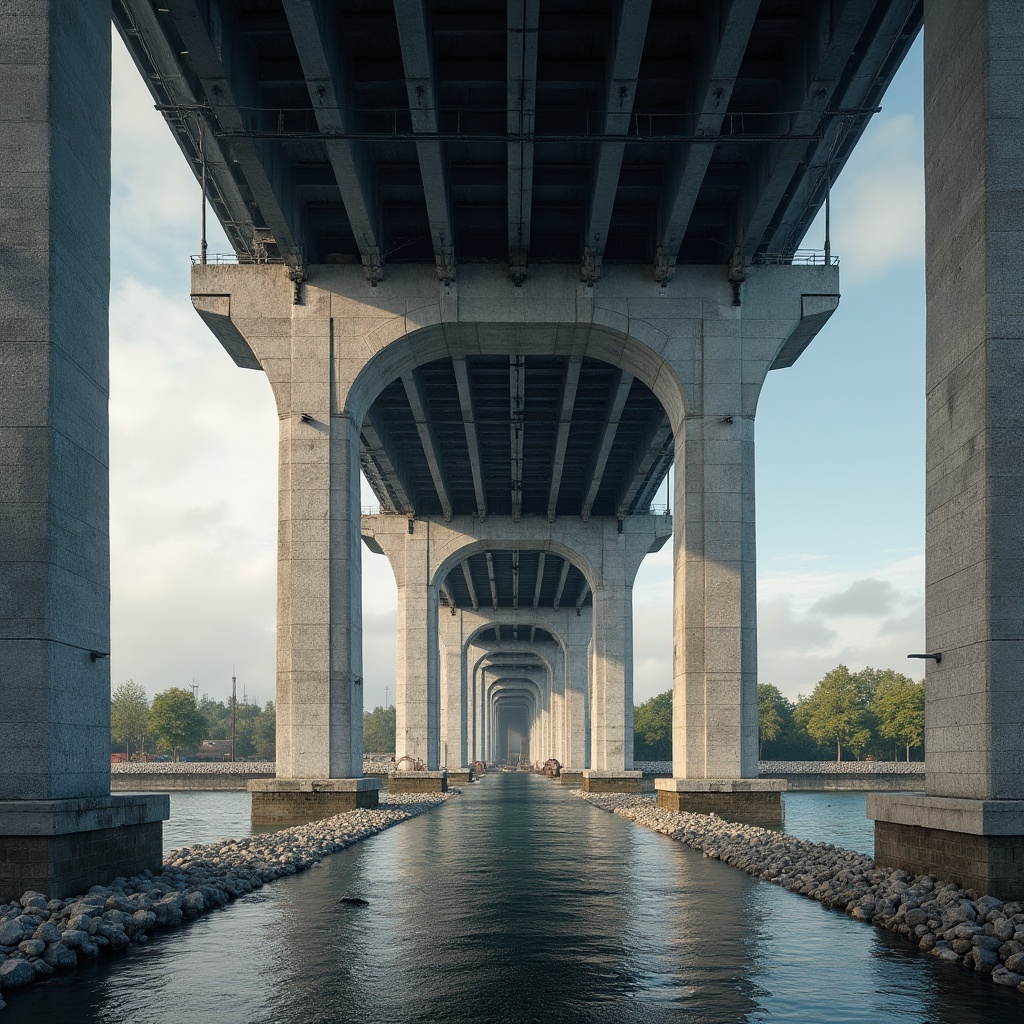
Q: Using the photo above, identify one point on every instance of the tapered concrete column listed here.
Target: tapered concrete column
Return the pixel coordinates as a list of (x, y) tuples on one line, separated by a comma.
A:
[(577, 700), (969, 828), (454, 705), (611, 745), (60, 830)]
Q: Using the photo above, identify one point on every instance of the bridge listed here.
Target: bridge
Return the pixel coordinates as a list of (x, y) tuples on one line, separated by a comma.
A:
[(510, 262)]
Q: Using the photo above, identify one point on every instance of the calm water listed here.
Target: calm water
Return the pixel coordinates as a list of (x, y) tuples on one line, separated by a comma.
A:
[(519, 903)]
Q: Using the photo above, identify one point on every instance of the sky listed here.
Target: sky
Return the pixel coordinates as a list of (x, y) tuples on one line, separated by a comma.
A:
[(839, 446)]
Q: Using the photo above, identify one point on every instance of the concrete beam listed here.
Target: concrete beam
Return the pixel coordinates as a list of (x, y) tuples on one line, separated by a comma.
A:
[(317, 33), (581, 598), (230, 79), (618, 393), (468, 577), (727, 28), (808, 94), (540, 582), (515, 579), (623, 68), (517, 399), (413, 18), (377, 447), (521, 102), (561, 584), (472, 437), (490, 576), (431, 450), (570, 382)]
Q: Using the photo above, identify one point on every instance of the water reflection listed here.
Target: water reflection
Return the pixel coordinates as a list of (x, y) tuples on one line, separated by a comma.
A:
[(519, 903)]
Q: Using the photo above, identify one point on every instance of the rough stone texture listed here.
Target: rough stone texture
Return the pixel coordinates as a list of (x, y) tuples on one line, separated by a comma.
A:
[(615, 782), (460, 776), (298, 801), (54, 507), (986, 864), (848, 782), (65, 864), (571, 778), (166, 782), (418, 782), (752, 808), (974, 601)]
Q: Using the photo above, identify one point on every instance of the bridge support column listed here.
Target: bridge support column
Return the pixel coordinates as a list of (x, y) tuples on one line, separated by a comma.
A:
[(304, 352), (60, 829), (454, 727), (969, 826)]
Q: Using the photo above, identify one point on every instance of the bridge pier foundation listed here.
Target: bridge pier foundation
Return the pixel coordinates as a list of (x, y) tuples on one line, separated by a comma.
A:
[(969, 825)]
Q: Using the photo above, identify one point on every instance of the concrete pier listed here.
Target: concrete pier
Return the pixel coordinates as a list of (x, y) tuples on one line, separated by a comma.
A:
[(60, 829), (969, 826)]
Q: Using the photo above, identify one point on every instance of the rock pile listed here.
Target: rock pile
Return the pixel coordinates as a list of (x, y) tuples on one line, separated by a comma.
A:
[(39, 936), (194, 768), (980, 932)]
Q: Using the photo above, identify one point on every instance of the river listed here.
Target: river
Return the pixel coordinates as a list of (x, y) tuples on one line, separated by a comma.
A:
[(519, 903)]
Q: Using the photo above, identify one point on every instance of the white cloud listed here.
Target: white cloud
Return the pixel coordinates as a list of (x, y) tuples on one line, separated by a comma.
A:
[(878, 200)]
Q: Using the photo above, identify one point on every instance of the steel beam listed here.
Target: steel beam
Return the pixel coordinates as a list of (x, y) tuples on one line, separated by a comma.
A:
[(808, 94), (230, 79), (413, 18), (521, 103), (377, 446), (630, 28), (517, 398), (472, 436), (316, 32), (650, 461), (570, 382), (143, 30), (617, 395), (727, 28), (431, 450)]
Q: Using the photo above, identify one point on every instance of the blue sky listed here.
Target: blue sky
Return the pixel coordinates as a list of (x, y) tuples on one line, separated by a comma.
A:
[(840, 446)]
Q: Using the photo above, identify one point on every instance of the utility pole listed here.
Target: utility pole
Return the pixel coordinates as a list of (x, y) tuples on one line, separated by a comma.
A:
[(234, 707)]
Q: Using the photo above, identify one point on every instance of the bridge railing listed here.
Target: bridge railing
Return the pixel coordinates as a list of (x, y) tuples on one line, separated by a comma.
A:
[(800, 258), (233, 259)]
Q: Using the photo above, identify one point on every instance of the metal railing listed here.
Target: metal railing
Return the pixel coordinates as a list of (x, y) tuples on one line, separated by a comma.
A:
[(799, 258), (227, 259)]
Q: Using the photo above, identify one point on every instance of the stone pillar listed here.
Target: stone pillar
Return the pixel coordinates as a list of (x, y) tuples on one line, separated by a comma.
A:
[(611, 729), (60, 829), (454, 723), (577, 700), (969, 827)]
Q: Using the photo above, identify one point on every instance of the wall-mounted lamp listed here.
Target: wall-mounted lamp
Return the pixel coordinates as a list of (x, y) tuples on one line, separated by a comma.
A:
[(306, 418), (96, 655), (935, 656), (725, 419)]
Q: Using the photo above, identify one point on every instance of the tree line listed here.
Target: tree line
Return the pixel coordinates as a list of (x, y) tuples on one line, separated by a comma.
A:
[(175, 723), (875, 713)]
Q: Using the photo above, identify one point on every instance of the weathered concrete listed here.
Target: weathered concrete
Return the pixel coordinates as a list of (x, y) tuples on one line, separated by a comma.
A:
[(752, 801), (598, 781), (974, 603), (169, 782), (418, 782), (298, 801), (58, 823), (62, 847)]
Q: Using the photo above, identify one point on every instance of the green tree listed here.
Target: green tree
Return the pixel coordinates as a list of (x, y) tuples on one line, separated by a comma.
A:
[(652, 729), (265, 733), (898, 705), (835, 711), (772, 710), (129, 708), (379, 730), (175, 720)]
